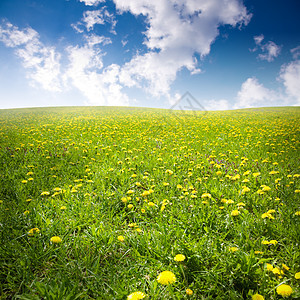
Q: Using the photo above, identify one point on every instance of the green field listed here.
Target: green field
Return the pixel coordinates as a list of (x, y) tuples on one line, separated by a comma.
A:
[(128, 189)]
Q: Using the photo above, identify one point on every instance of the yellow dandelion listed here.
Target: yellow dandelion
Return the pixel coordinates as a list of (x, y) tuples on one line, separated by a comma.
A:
[(257, 297), (136, 296), (46, 193), (189, 292), (285, 267), (233, 249), (270, 267), (235, 213), (297, 213), (32, 231), (56, 240), (179, 257), (151, 204), (284, 290), (297, 275), (166, 278), (121, 238)]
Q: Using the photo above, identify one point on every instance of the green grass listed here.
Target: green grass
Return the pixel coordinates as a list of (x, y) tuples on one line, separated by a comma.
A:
[(103, 166)]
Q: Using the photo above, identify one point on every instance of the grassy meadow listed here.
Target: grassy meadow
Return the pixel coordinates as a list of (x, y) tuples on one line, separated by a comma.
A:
[(98, 202)]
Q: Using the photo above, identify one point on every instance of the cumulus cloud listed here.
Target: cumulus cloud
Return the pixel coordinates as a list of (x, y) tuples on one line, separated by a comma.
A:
[(176, 30), (253, 94), (42, 62), (290, 76), (269, 49), (99, 85)]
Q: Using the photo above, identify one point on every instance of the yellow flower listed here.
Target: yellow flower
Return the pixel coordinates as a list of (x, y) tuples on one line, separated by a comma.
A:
[(32, 231), (258, 252), (285, 267), (24, 181), (258, 297), (166, 277), (26, 212), (284, 290), (269, 267), (130, 206), (273, 242), (256, 174), (235, 213), (179, 257), (297, 213), (56, 240), (206, 195), (136, 296), (121, 238), (151, 204), (45, 193), (189, 292), (233, 249), (297, 275), (130, 192), (63, 207)]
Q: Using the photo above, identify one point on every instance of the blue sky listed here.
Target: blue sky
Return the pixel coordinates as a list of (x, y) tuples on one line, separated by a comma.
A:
[(227, 53)]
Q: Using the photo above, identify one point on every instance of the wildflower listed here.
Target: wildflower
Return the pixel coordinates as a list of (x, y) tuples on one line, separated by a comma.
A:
[(46, 193), (179, 257), (297, 213), (270, 267), (284, 290), (245, 190), (276, 271), (297, 275), (241, 204), (151, 204), (256, 174), (189, 292), (273, 242), (143, 210), (235, 213), (63, 207), (265, 242), (166, 278), (121, 238), (24, 181), (206, 195), (130, 206), (32, 231), (136, 296), (233, 249), (258, 297), (285, 267), (267, 215), (26, 212), (266, 188), (56, 240), (258, 252), (124, 199), (130, 192)]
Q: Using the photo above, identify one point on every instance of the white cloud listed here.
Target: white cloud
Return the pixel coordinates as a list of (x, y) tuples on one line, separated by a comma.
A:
[(290, 76), (295, 52), (42, 63), (85, 71), (254, 94), (176, 30), (270, 49), (92, 2), (93, 17)]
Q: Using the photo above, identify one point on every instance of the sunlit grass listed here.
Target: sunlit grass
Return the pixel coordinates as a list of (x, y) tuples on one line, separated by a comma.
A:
[(97, 202)]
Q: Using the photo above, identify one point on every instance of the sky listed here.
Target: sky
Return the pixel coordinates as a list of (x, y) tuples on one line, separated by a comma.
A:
[(227, 54)]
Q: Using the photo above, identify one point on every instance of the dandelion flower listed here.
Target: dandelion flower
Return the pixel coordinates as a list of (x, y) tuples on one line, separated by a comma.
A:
[(258, 297), (136, 296), (46, 193), (233, 249), (189, 292), (56, 240), (121, 238), (285, 267), (63, 207), (284, 290), (32, 231), (151, 204), (166, 278), (297, 275), (235, 213), (270, 267), (179, 257)]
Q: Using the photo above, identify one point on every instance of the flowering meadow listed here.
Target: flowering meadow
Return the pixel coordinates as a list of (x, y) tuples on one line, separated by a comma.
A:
[(132, 203)]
